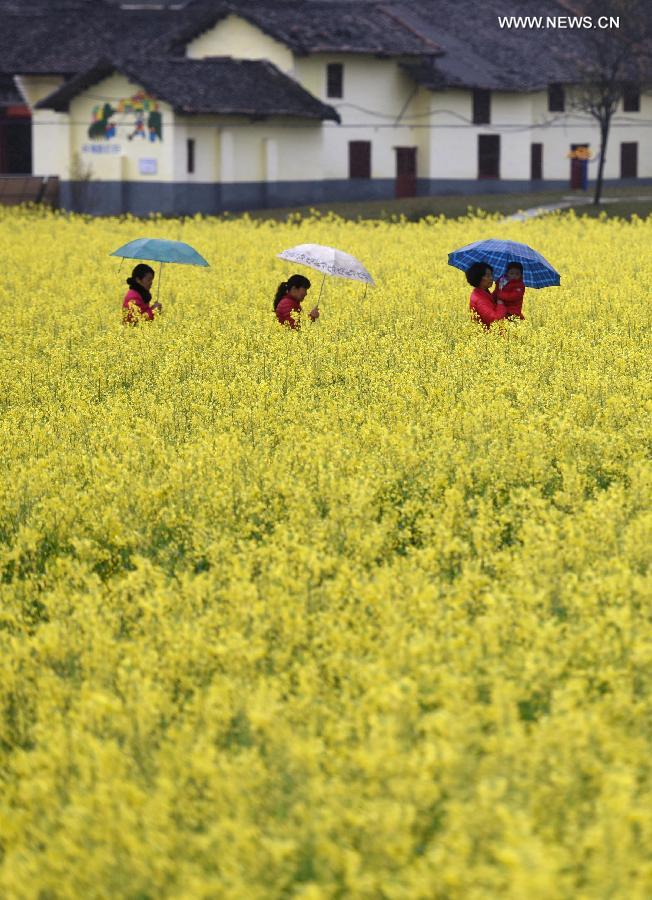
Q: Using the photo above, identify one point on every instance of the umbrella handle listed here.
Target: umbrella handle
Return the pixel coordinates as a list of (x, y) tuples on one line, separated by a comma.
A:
[(321, 288), (160, 276)]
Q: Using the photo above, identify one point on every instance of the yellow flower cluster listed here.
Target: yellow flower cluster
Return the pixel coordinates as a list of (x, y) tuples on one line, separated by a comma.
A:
[(358, 611)]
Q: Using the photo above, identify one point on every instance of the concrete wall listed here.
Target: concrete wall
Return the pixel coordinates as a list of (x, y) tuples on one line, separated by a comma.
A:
[(183, 198)]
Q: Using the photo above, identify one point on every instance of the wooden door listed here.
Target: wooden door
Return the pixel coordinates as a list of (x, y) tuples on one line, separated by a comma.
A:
[(359, 159), (629, 159), (406, 172), (488, 156), (536, 162)]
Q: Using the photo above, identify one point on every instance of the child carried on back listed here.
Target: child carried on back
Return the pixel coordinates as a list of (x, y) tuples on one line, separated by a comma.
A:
[(510, 288)]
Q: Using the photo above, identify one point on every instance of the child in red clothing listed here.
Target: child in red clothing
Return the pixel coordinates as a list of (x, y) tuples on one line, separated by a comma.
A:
[(287, 302), (136, 305), (510, 288)]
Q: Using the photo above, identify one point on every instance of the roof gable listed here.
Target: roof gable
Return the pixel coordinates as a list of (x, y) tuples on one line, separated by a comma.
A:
[(233, 35)]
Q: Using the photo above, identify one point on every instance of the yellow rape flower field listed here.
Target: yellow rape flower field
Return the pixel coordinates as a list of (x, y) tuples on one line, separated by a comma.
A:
[(361, 611)]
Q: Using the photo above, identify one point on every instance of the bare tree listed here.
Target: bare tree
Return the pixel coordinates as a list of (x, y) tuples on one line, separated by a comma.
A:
[(616, 56), (81, 177)]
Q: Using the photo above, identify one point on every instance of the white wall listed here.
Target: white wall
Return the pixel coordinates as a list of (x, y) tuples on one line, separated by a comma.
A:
[(50, 130), (121, 157), (235, 37), (204, 131), (453, 141), (575, 127), (284, 149), (379, 104), (523, 119), (641, 134), (50, 143)]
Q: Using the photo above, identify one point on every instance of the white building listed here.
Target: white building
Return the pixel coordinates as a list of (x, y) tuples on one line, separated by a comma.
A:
[(241, 105)]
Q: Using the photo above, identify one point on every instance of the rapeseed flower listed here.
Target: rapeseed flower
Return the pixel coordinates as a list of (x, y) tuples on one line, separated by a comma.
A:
[(361, 611)]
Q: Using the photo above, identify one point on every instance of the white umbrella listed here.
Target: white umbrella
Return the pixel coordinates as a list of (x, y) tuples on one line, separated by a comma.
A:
[(328, 260)]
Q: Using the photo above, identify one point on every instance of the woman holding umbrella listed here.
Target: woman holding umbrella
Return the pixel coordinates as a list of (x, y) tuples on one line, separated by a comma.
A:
[(483, 306), (287, 302), (328, 261), (137, 304), (480, 259)]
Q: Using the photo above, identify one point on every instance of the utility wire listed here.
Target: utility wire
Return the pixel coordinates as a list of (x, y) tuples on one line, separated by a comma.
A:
[(488, 128)]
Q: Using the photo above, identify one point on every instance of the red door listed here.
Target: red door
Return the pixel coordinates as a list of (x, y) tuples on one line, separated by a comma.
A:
[(406, 171)]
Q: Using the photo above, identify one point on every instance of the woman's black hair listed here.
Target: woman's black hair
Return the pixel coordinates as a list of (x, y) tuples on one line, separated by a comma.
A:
[(514, 265), (139, 271), (475, 273), (285, 286)]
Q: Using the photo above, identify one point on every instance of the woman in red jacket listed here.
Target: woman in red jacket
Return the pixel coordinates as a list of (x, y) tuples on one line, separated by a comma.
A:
[(483, 308), (287, 302), (137, 305)]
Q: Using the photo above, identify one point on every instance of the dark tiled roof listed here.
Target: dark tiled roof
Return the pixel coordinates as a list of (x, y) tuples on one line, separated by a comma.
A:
[(71, 39), (212, 86), (317, 26), (479, 53), (66, 36), (30, 7), (152, 4), (443, 43)]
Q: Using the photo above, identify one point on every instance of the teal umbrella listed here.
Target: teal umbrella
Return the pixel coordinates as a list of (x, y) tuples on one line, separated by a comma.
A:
[(159, 250)]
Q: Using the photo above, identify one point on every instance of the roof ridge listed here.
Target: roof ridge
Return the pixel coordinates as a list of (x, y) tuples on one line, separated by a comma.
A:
[(392, 14)]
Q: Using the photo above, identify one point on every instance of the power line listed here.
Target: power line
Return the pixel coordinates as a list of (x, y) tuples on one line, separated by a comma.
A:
[(406, 118), (504, 128)]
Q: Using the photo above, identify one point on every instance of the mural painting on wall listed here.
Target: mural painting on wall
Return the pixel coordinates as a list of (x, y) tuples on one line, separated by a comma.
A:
[(144, 118)]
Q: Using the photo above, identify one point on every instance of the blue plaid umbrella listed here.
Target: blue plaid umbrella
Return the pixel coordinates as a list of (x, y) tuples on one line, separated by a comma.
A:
[(537, 271)]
